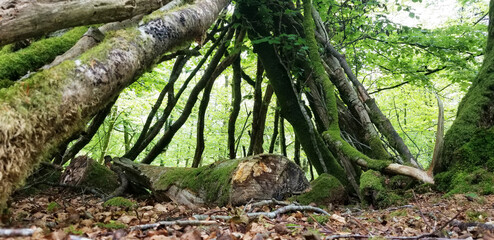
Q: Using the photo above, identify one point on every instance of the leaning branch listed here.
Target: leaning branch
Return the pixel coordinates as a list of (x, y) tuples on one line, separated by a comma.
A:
[(342, 148)]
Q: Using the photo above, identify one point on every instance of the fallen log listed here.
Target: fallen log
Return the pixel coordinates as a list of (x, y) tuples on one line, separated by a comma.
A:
[(234, 182), (83, 171)]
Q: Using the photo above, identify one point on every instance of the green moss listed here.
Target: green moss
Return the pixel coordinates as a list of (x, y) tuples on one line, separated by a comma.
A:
[(374, 192), (322, 219), (443, 181), (73, 230), (14, 65), (377, 150), (112, 225), (401, 182), (399, 213), (477, 181), (477, 152), (52, 207), (214, 180), (352, 153), (470, 137), (102, 178), (119, 202), (371, 179), (316, 63), (377, 164), (390, 199), (5, 83), (476, 216), (324, 190), (6, 49)]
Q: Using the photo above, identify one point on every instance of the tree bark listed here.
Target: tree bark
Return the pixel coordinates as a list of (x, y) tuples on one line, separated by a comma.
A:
[(469, 142), (237, 98), (234, 182), (256, 137), (272, 144), (377, 117), (20, 19), (296, 156), (260, 111), (50, 106), (282, 137)]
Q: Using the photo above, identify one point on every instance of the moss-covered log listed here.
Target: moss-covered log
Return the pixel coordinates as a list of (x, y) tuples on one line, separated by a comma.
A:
[(235, 182), (86, 172), (44, 110), (14, 65), (21, 19)]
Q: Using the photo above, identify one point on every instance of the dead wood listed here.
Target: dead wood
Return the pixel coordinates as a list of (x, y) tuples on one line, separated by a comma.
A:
[(83, 171), (233, 182)]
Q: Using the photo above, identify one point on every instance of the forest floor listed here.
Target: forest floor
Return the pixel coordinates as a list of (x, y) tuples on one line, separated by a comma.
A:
[(58, 214)]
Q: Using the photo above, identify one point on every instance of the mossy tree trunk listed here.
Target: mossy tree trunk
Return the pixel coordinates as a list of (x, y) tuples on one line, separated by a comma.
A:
[(469, 143)]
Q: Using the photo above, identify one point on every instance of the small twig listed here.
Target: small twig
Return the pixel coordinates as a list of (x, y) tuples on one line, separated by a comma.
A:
[(448, 222), (399, 207), (289, 208), (420, 209), (213, 217), (169, 223), (318, 223), (269, 202), (4, 232), (75, 237), (359, 211)]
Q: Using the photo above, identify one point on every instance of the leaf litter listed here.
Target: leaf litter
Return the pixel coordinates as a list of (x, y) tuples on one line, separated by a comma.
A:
[(59, 214)]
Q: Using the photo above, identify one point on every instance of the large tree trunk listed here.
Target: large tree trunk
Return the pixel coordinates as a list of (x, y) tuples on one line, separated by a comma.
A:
[(44, 110), (20, 19), (470, 140), (235, 182)]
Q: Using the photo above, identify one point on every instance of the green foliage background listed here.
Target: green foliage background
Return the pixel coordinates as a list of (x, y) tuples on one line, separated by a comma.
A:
[(442, 60)]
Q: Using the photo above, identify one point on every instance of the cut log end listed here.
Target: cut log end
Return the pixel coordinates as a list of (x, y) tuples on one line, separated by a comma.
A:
[(266, 176)]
